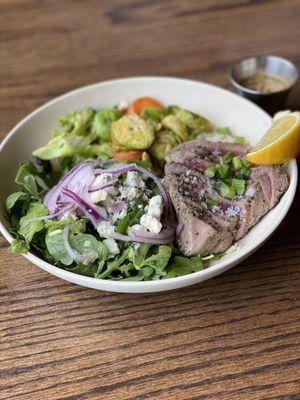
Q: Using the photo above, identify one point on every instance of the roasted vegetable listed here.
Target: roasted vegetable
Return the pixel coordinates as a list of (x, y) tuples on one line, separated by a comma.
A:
[(164, 142), (125, 155), (102, 122), (196, 123), (177, 126), (132, 132), (76, 122), (138, 105)]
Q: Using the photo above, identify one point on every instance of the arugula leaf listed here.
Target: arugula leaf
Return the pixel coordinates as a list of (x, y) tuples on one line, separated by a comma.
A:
[(19, 246), (102, 122), (114, 265), (140, 254), (157, 260), (86, 270), (27, 228), (184, 265), (26, 179)]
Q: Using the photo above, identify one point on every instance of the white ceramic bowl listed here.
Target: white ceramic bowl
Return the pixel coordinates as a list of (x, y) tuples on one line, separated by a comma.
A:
[(222, 107)]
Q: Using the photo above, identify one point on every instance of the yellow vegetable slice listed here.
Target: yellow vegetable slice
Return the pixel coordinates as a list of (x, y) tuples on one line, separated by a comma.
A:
[(280, 143), (132, 132)]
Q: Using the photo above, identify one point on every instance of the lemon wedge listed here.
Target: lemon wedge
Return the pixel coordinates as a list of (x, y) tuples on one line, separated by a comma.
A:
[(280, 143)]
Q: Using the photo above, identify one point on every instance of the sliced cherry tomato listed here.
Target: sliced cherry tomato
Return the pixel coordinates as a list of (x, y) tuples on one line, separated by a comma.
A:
[(128, 155), (137, 106)]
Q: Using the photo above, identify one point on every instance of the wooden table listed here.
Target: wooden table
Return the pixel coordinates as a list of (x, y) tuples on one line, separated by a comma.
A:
[(233, 337)]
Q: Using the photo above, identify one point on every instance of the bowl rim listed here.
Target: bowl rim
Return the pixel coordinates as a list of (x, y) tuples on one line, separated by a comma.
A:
[(155, 285)]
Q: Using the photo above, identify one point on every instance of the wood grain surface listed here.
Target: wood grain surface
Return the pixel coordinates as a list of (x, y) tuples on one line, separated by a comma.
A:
[(236, 336)]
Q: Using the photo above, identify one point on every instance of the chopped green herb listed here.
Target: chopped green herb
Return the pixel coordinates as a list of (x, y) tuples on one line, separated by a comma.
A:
[(227, 157), (239, 186), (227, 191), (224, 130), (210, 172), (222, 170), (239, 139), (211, 202), (237, 162)]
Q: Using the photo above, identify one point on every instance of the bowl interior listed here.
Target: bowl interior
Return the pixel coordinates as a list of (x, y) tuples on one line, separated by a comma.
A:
[(223, 108)]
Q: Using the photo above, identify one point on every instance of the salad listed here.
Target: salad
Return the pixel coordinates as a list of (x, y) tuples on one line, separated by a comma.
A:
[(92, 202)]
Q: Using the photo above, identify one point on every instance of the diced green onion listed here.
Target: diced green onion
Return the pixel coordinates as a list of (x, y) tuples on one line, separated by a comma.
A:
[(227, 181), (243, 172), (239, 186), (237, 162), (226, 191), (224, 130), (222, 170), (211, 202), (246, 162), (210, 172), (239, 139), (227, 157)]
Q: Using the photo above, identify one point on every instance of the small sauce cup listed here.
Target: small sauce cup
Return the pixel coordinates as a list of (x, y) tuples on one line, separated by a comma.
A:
[(265, 80)]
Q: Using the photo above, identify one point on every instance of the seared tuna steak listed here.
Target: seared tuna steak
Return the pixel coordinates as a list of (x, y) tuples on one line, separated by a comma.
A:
[(204, 228)]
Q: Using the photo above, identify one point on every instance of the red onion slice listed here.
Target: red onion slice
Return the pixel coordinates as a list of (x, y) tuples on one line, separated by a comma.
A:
[(90, 211), (160, 238), (118, 206), (100, 187), (116, 169), (78, 180)]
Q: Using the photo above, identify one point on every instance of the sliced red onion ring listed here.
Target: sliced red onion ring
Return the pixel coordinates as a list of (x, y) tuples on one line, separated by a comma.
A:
[(118, 206), (78, 179), (95, 215), (160, 238), (77, 257), (100, 187), (116, 169), (163, 235)]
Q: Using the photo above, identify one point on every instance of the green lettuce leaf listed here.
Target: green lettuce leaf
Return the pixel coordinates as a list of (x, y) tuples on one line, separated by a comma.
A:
[(19, 246), (28, 229), (77, 122), (63, 146)]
